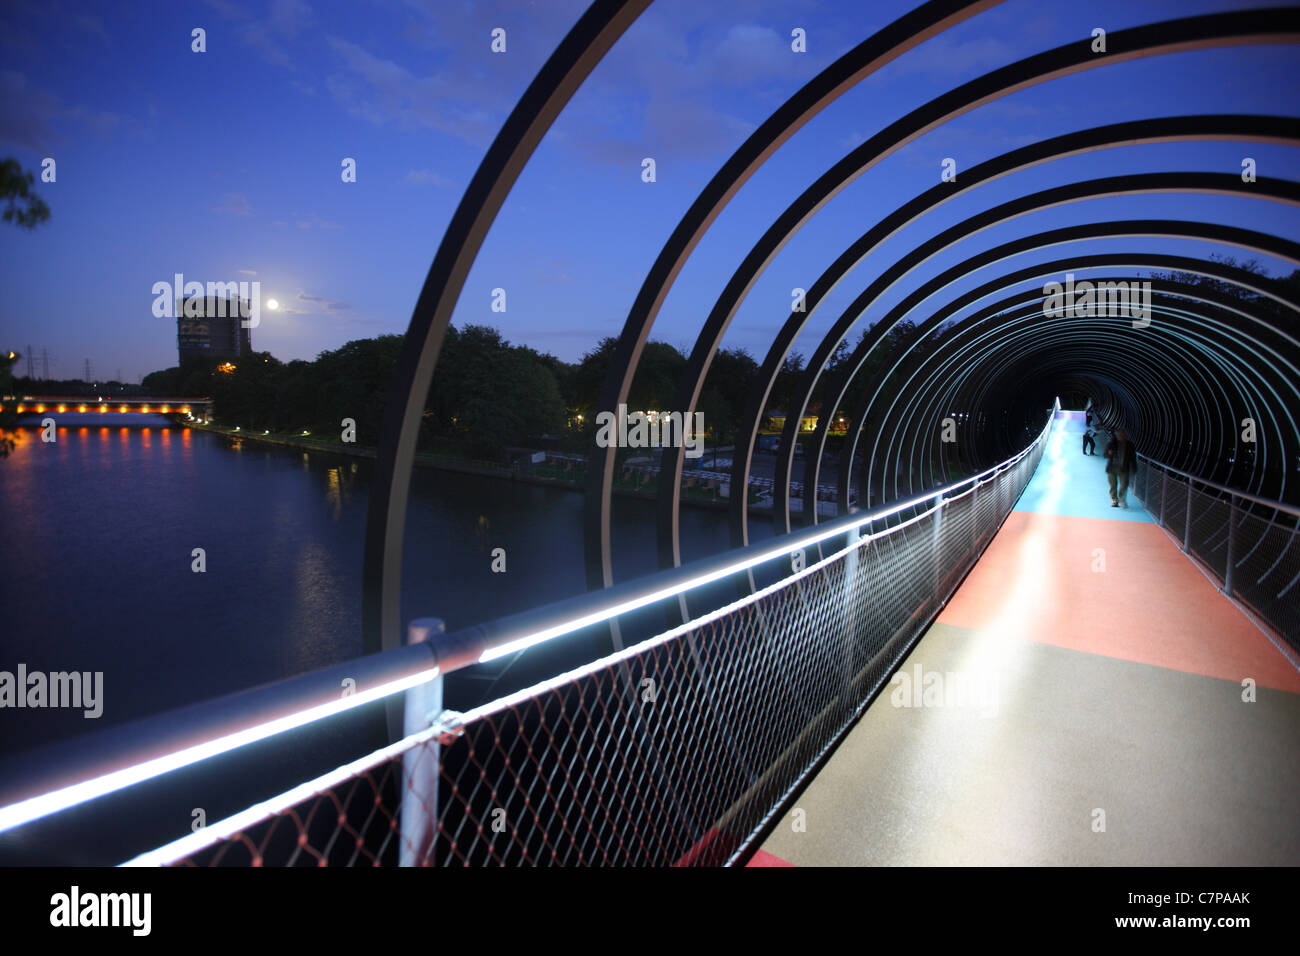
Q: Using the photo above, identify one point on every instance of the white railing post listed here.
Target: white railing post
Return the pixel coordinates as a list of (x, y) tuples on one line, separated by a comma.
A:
[(420, 765)]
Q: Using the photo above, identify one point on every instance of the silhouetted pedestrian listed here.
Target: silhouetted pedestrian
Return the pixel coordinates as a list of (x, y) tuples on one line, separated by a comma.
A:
[(1089, 442), (1121, 463)]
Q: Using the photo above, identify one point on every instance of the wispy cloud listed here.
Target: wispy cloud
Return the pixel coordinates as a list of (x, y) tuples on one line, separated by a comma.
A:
[(28, 115), (316, 304), (234, 204), (427, 177)]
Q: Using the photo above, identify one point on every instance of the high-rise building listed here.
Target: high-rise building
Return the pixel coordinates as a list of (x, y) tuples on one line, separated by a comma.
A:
[(211, 327)]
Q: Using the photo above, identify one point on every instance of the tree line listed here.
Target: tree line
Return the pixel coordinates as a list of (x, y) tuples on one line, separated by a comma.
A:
[(488, 395)]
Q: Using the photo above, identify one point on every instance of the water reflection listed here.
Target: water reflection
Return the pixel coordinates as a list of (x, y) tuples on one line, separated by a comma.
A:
[(96, 569)]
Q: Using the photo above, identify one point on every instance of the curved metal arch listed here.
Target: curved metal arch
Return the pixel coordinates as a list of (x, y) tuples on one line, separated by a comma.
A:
[(559, 78), (886, 45), (1191, 294), (1148, 422), (838, 385), (1270, 129), (1219, 183), (984, 338), (1244, 384), (1153, 39), (1005, 335), (1209, 350), (1287, 377), (1247, 386), (968, 391)]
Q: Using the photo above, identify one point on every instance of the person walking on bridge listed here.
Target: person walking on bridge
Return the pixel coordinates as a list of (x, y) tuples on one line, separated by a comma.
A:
[(1121, 463), (1089, 441)]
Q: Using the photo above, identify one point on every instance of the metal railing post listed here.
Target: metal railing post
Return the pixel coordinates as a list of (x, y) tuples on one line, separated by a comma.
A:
[(1187, 524), (420, 767), (934, 551), (1164, 494), (1229, 578)]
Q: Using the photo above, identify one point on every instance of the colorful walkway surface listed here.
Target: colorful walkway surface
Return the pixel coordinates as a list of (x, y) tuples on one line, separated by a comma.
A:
[(1087, 697)]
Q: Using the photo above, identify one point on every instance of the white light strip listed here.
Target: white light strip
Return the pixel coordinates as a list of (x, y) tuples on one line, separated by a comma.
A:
[(632, 604), (194, 842), (25, 811), (529, 693), (258, 812)]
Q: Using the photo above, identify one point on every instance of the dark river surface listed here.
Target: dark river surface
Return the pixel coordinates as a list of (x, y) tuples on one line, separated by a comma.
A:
[(97, 532)]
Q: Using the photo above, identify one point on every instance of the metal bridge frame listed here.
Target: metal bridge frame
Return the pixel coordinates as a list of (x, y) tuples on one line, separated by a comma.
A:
[(573, 60)]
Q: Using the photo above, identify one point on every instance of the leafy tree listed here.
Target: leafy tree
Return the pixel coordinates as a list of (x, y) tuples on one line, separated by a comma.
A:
[(488, 394), (654, 387), (726, 388), (22, 205)]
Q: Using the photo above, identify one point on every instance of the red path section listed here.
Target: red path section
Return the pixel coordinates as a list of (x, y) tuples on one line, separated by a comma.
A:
[(1116, 733), (1120, 588)]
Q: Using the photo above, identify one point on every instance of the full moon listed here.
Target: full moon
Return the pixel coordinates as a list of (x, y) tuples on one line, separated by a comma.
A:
[(272, 304)]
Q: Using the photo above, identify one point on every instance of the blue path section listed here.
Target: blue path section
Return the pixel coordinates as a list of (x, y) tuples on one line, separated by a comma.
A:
[(1068, 482)]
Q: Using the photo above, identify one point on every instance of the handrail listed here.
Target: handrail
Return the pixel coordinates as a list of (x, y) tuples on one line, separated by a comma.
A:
[(67, 774), (62, 775), (486, 642), (1266, 502)]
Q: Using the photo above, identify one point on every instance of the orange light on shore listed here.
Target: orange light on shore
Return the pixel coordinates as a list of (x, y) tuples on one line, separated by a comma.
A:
[(121, 408), (103, 408), (63, 408), (20, 409), (81, 408), (185, 411), (144, 408), (40, 409), (165, 409)]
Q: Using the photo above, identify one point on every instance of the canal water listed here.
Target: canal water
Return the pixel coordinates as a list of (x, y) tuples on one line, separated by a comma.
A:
[(98, 534)]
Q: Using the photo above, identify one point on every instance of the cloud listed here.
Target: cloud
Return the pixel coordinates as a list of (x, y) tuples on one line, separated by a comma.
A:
[(317, 303), (236, 204), (25, 118), (315, 222), (286, 20), (306, 222), (381, 92), (28, 115), (257, 37), (427, 177), (945, 56), (290, 17), (227, 8), (751, 54)]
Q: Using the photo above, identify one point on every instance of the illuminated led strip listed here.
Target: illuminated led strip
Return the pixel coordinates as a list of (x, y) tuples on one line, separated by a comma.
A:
[(595, 617), (34, 808), (25, 811), (259, 812), (194, 842)]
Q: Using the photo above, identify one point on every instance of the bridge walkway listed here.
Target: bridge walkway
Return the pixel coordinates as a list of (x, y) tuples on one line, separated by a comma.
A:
[(1079, 701)]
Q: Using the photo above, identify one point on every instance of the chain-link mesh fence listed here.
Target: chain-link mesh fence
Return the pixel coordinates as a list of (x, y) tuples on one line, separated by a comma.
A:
[(1249, 545), (675, 751)]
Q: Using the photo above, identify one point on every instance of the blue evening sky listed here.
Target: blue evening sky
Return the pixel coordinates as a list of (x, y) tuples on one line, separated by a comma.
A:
[(225, 165)]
